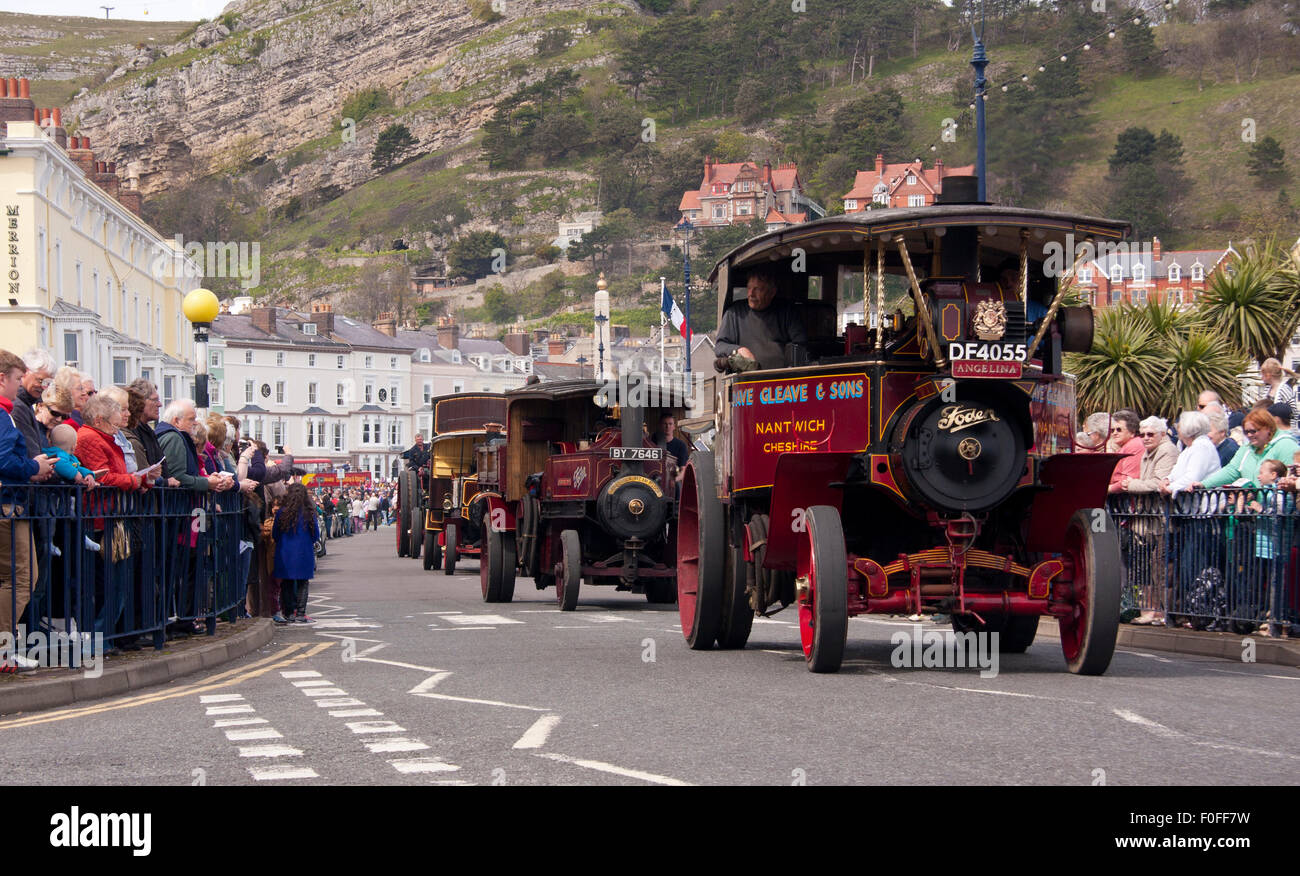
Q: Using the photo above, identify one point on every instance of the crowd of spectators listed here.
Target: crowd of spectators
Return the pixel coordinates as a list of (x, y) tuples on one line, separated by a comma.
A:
[(56, 428), (1254, 453)]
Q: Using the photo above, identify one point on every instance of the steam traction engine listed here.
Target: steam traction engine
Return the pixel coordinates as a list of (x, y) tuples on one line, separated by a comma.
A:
[(922, 467), (439, 509), (574, 500)]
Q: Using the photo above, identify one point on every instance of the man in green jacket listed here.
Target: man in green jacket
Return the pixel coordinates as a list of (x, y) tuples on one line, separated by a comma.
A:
[(1263, 441), (181, 458)]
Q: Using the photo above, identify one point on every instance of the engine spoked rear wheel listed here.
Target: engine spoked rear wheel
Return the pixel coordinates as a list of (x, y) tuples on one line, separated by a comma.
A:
[(489, 567), (416, 538), (823, 590), (449, 549), (1088, 634), (701, 543), (1015, 633), (432, 554), (403, 516), (568, 580)]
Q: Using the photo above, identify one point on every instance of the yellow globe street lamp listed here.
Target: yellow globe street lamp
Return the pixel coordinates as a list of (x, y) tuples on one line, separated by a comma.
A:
[(201, 308)]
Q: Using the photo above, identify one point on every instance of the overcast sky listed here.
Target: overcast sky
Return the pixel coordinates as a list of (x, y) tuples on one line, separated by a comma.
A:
[(143, 10)]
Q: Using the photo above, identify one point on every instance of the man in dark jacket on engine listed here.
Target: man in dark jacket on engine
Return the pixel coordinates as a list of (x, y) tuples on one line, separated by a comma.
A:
[(754, 333)]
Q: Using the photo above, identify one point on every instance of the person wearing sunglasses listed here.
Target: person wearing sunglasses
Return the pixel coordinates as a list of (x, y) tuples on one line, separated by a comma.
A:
[(1158, 458), (1263, 441), (50, 410), (1124, 439)]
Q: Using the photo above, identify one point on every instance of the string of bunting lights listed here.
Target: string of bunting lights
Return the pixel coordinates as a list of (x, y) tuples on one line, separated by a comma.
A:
[(1086, 46)]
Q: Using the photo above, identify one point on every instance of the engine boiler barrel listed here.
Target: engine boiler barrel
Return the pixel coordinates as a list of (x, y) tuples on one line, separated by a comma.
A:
[(632, 418)]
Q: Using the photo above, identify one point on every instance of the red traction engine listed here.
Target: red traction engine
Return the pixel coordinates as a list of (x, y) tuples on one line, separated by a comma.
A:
[(575, 500), (921, 468)]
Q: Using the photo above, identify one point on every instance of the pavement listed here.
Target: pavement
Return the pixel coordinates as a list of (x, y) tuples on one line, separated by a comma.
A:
[(407, 677), (136, 670)]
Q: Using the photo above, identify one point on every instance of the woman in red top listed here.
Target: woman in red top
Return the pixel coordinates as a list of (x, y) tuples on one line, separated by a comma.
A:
[(96, 448)]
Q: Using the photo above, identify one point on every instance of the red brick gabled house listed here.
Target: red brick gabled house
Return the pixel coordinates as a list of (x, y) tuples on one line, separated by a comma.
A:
[(1144, 273), (736, 193), (909, 184)]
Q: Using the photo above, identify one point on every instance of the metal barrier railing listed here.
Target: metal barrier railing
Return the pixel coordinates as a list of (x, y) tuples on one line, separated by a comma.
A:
[(1216, 559), (120, 564)]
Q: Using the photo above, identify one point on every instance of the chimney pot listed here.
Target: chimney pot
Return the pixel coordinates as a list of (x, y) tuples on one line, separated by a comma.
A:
[(24, 89), (11, 87), (58, 117), (264, 319)]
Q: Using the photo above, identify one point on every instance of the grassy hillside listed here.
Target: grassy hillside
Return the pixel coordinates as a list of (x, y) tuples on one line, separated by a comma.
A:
[(63, 54), (748, 80)]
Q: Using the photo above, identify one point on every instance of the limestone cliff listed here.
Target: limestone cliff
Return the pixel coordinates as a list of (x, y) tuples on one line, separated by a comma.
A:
[(268, 79)]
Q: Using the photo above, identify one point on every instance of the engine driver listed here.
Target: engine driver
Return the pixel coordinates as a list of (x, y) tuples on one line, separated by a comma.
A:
[(755, 332)]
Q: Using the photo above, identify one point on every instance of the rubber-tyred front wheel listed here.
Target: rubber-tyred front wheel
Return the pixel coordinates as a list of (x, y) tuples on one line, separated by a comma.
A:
[(1088, 633), (822, 590)]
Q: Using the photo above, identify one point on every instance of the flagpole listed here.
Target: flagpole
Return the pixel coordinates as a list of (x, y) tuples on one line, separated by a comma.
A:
[(663, 323)]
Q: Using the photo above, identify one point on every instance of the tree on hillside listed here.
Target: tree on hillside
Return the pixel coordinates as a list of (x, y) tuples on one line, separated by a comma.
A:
[(1146, 181), (1138, 43), (751, 103), (378, 289), (1267, 160), (393, 142), (472, 256)]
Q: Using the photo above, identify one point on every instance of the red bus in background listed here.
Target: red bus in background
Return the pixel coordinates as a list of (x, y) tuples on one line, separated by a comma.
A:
[(321, 473)]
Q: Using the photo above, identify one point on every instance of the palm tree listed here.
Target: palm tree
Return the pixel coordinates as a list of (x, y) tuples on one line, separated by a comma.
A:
[(1254, 301), (1155, 358), (1126, 366)]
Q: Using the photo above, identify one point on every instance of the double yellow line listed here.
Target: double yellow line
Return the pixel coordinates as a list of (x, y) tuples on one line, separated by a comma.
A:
[(288, 656)]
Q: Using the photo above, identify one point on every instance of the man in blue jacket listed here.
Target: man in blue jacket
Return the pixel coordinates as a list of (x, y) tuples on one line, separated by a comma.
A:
[(18, 568)]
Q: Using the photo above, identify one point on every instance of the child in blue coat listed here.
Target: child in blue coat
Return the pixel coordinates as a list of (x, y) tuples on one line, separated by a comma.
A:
[(63, 440), (295, 533)]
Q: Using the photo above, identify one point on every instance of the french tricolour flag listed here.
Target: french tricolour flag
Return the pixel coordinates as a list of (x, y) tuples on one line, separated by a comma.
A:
[(673, 313)]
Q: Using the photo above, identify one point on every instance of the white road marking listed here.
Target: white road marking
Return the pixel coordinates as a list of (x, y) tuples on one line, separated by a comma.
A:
[(615, 770), (482, 702), (1147, 724), (339, 702), (441, 612), (356, 713), (278, 773), (229, 710), (325, 692), (396, 743), (535, 736), (423, 765), (375, 727), (768, 620), (602, 618), (1170, 733), (344, 624), (565, 627), (269, 751), (317, 682), (429, 683), (467, 619), (237, 722), (260, 733), (220, 698), (300, 673), (1255, 674), (459, 629), (774, 651), (397, 663), (1155, 657), (978, 690)]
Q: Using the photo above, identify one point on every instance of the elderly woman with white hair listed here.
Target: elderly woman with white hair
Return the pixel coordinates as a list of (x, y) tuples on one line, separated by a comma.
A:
[(1199, 458), (1158, 458), (1092, 437)]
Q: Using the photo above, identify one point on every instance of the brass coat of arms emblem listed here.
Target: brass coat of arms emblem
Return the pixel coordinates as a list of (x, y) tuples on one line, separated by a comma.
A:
[(990, 322)]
